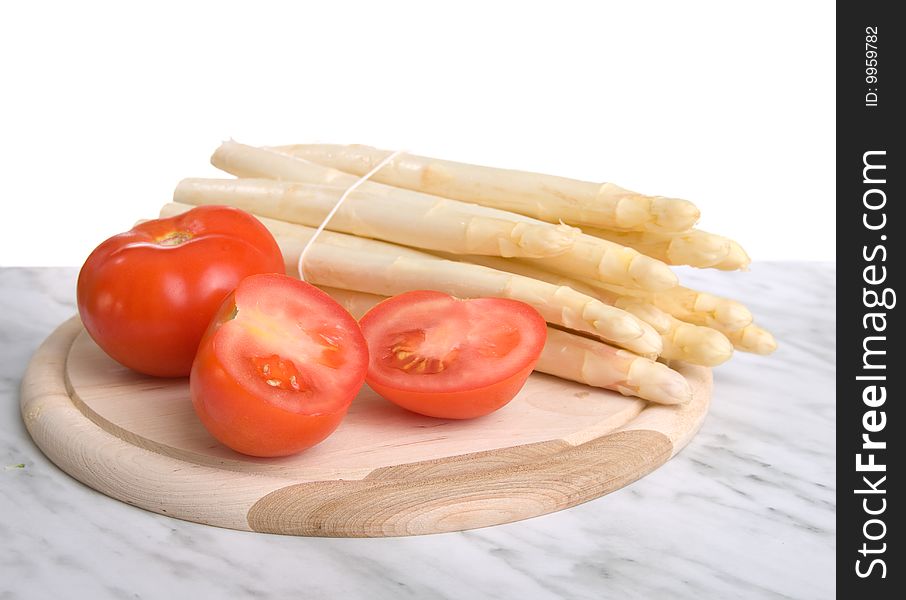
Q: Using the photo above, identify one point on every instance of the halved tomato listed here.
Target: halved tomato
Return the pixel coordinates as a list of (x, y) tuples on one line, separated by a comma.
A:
[(456, 359), (278, 367)]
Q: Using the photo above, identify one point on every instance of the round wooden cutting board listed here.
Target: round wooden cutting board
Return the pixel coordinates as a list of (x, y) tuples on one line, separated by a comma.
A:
[(384, 472)]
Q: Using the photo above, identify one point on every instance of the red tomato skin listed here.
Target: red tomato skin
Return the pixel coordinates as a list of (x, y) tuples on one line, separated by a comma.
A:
[(467, 404), (247, 422), (147, 303)]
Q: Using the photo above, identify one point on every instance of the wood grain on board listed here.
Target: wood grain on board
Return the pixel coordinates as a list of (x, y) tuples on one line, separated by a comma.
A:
[(385, 471)]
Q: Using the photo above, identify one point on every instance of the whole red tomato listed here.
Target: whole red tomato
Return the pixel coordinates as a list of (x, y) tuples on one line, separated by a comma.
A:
[(146, 296)]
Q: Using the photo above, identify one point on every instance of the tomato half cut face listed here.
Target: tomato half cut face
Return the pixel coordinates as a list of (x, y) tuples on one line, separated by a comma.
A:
[(278, 368), (455, 359)]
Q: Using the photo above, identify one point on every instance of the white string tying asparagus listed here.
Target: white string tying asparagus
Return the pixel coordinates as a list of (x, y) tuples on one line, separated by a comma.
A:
[(349, 262), (694, 344), (587, 257), (576, 358), (544, 197)]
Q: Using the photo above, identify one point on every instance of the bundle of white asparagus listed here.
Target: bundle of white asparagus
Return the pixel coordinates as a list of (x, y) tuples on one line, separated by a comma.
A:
[(591, 258)]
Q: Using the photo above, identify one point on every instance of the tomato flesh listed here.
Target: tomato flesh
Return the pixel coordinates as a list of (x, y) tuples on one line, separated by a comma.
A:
[(278, 368), (146, 296), (457, 359)]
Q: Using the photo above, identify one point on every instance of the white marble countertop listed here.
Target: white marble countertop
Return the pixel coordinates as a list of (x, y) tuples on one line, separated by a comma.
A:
[(747, 510)]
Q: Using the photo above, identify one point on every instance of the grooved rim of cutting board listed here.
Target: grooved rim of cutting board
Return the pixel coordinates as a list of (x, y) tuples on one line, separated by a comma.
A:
[(135, 439)]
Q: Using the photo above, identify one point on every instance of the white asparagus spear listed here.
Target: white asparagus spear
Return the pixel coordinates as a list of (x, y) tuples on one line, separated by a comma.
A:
[(693, 306), (587, 257), (349, 262), (729, 318), (580, 359), (754, 339), (544, 197), (694, 344), (737, 260), (577, 358), (414, 220), (695, 247)]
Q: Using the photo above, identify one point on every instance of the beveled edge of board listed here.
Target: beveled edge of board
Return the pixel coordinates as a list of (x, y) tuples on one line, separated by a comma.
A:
[(466, 491)]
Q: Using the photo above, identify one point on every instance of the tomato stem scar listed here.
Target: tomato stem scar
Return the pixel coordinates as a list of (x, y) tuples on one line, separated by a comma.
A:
[(174, 238)]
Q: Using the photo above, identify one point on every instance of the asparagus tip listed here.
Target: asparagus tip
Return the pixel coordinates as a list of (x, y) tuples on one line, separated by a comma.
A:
[(651, 274), (673, 214), (658, 383), (758, 340)]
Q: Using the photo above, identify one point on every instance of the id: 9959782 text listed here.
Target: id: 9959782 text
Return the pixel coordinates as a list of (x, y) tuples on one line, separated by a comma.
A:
[(871, 66)]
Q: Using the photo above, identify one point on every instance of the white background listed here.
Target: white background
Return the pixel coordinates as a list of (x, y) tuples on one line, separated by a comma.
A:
[(105, 106)]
